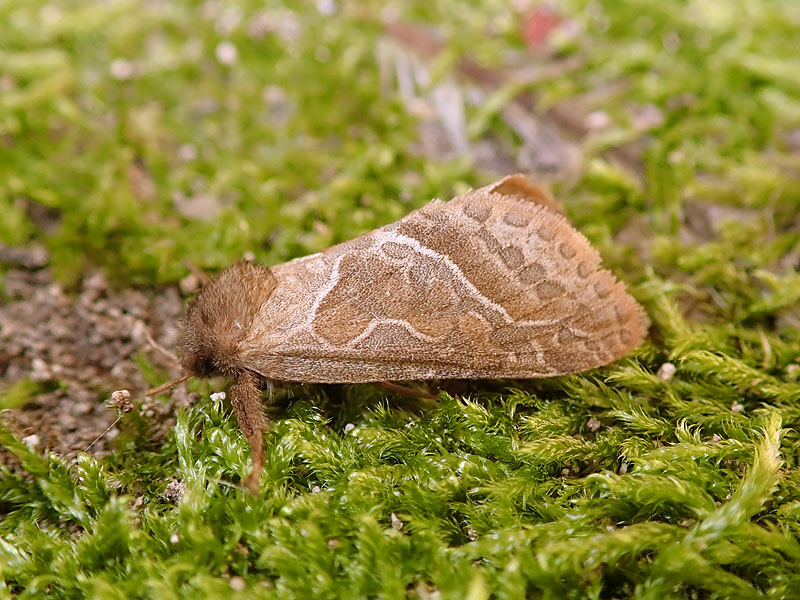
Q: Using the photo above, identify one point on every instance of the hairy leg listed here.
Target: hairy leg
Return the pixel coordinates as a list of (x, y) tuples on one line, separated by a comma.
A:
[(246, 400)]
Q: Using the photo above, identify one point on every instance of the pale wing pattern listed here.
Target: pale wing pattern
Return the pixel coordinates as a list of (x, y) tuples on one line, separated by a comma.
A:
[(490, 284)]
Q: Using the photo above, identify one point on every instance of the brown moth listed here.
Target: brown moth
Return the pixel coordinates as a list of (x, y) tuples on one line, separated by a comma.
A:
[(492, 284)]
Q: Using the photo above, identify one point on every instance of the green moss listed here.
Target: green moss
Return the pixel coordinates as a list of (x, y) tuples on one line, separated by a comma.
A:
[(616, 483), (18, 393)]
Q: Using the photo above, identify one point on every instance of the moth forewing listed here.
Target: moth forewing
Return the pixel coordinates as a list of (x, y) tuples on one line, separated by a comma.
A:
[(495, 283), (486, 285)]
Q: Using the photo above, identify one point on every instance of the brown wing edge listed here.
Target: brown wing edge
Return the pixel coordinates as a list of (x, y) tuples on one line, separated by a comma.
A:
[(522, 186), (631, 313)]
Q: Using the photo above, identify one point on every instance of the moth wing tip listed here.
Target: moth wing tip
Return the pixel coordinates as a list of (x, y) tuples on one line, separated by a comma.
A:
[(521, 185)]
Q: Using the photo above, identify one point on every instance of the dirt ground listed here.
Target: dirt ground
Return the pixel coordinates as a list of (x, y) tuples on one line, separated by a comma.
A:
[(78, 348)]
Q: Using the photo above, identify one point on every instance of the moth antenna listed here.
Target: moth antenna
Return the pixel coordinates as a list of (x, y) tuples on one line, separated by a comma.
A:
[(171, 356), (167, 386), (201, 277)]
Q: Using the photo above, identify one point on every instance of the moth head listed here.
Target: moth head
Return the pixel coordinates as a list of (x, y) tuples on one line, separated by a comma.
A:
[(219, 318)]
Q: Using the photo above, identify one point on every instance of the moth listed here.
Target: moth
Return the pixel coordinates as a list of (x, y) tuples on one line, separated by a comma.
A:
[(492, 284)]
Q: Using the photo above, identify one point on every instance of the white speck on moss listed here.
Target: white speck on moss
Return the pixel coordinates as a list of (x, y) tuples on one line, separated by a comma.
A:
[(237, 583), (226, 53), (397, 522), (187, 153), (121, 69), (326, 7), (667, 371)]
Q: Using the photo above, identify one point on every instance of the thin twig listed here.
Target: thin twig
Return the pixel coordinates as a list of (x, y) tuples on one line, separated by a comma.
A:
[(102, 434), (161, 348), (194, 270)]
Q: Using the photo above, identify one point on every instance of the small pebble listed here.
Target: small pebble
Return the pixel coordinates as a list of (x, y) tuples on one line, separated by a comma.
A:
[(174, 491), (397, 523), (326, 7), (31, 441), (598, 120), (39, 370), (593, 424), (139, 331), (187, 153), (647, 117)]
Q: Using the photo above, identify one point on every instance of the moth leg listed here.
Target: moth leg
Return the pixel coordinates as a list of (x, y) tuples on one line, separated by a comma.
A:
[(246, 400), (406, 391)]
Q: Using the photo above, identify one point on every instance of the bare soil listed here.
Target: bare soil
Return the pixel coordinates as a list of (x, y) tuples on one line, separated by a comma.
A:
[(78, 348)]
